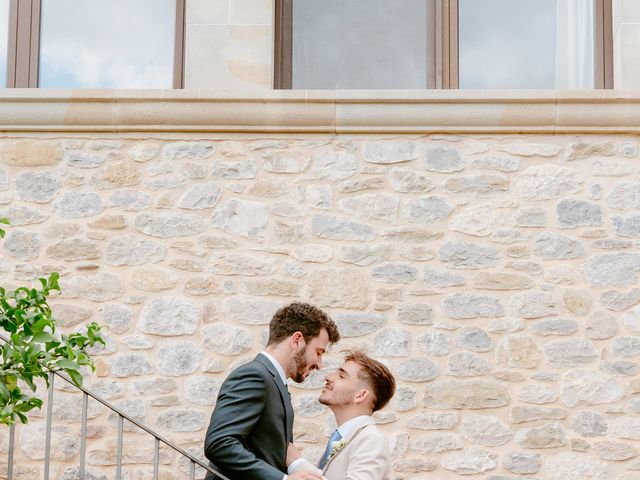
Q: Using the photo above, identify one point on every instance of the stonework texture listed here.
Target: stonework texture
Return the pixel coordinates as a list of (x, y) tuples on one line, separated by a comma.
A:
[(496, 275)]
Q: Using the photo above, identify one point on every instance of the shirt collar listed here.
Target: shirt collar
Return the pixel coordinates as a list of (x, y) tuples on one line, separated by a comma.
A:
[(352, 423), (277, 366)]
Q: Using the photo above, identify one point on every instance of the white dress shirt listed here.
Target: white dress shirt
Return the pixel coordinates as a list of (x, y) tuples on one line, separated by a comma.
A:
[(277, 366), (352, 424)]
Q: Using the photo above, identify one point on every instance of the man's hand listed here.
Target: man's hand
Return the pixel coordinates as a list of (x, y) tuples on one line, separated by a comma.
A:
[(305, 476), (292, 454)]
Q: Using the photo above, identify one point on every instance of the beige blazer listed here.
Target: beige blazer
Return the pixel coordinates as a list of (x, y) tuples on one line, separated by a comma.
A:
[(366, 456)]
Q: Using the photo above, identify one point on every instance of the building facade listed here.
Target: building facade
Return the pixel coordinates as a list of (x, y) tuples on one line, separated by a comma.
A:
[(482, 243)]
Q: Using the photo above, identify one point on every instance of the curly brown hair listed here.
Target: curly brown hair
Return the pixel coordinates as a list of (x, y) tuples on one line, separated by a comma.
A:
[(304, 318), (376, 375)]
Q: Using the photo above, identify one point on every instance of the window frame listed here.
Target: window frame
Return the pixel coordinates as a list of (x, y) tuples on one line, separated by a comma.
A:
[(442, 44), (23, 56)]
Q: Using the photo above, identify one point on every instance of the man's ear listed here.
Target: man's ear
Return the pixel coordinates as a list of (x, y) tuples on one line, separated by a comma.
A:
[(296, 339), (362, 395)]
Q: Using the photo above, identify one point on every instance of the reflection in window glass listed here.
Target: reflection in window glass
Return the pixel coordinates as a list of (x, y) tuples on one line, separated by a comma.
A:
[(107, 43), (340, 44), (525, 44), (4, 39)]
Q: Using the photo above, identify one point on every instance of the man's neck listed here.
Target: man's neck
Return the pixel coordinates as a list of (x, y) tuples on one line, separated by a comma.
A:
[(343, 415), (281, 357)]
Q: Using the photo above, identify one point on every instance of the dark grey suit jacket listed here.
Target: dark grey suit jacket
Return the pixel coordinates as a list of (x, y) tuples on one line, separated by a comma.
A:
[(251, 425)]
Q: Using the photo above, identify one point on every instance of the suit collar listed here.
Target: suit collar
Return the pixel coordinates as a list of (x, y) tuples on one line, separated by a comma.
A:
[(264, 360), (348, 428), (285, 396), (350, 436), (276, 365)]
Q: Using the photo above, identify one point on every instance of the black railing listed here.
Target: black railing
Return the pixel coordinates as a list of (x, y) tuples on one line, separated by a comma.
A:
[(193, 461)]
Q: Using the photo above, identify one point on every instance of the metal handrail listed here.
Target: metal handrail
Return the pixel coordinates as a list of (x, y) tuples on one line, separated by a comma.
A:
[(122, 416)]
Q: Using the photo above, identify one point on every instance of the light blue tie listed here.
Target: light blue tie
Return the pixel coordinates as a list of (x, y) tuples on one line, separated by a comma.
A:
[(335, 436)]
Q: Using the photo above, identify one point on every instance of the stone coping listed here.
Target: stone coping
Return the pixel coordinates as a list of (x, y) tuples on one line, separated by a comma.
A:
[(318, 112)]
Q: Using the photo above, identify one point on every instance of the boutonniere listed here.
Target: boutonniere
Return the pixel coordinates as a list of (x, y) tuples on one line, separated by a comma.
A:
[(336, 447)]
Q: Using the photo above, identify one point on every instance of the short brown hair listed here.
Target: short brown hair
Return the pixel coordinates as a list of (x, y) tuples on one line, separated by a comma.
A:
[(303, 318), (374, 373)]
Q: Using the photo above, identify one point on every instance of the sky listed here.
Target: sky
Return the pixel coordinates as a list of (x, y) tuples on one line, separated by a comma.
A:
[(107, 43)]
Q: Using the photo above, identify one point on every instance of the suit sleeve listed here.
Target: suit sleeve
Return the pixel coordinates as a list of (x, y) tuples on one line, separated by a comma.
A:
[(237, 412), (303, 465), (369, 460)]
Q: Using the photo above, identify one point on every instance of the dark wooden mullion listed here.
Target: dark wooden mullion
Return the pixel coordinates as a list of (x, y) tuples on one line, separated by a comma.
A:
[(607, 23), (23, 43), (34, 44), (450, 42), (283, 45), (603, 44), (12, 44), (21, 47), (179, 45), (432, 47)]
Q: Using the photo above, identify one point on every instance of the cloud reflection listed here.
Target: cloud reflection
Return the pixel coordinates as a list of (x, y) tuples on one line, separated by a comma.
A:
[(107, 43), (4, 38)]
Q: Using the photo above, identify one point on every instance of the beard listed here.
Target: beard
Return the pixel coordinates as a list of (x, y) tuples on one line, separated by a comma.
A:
[(300, 366)]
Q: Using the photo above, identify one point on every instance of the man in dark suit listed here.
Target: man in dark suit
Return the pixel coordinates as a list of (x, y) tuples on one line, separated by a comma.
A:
[(252, 423)]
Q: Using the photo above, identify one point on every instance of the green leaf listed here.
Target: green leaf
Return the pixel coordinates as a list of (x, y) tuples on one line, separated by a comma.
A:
[(11, 381), (76, 377), (4, 392), (65, 363), (34, 349), (44, 337)]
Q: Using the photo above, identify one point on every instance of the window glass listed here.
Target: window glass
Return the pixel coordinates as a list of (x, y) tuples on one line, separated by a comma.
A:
[(526, 44), (4, 39), (107, 43), (343, 44)]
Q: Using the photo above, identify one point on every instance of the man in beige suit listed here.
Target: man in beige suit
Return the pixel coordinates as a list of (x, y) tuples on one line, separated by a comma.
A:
[(357, 449)]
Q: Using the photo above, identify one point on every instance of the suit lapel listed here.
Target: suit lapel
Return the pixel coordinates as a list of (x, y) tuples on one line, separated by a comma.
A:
[(348, 439), (284, 396)]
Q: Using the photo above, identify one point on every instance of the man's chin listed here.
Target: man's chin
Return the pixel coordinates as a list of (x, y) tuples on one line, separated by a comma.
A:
[(300, 377)]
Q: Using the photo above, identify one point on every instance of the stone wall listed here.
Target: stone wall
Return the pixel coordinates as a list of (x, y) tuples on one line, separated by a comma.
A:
[(229, 44), (496, 276), (626, 44)]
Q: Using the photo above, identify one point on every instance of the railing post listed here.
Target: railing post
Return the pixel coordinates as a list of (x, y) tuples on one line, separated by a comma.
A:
[(156, 458), (47, 448), (12, 439), (119, 450), (83, 435), (194, 462)]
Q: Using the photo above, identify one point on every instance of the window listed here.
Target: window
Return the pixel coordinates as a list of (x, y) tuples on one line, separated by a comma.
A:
[(4, 39), (563, 44), (359, 44), (96, 43), (524, 44)]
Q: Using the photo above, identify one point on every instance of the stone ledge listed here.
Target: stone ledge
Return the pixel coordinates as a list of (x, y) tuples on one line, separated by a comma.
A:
[(321, 112)]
